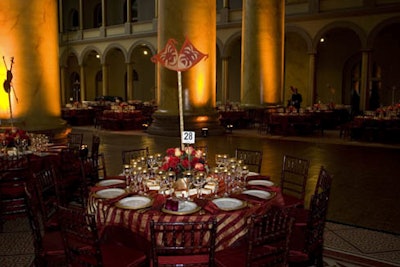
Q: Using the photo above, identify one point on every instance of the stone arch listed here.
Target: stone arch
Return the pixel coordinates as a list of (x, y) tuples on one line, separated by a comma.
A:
[(378, 28), (360, 33), (87, 51), (302, 33), (111, 47), (136, 44), (226, 51)]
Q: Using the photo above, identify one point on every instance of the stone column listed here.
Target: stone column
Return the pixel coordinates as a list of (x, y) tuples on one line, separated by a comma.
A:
[(105, 78), (262, 52), (364, 86), (179, 19), (103, 18), (129, 80), (311, 79), (225, 78), (82, 82), (63, 77), (29, 31)]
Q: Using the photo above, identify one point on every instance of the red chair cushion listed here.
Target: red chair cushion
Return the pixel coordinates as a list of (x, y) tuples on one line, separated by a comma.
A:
[(231, 257), (115, 256)]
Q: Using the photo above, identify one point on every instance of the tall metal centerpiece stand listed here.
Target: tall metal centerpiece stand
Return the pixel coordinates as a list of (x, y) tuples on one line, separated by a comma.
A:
[(7, 84), (186, 58)]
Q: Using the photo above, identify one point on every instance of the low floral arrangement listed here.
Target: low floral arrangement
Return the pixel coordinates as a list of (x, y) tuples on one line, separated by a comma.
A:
[(13, 136), (179, 160)]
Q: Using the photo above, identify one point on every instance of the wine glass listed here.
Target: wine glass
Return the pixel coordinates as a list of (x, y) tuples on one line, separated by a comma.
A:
[(4, 145), (159, 160), (218, 160), (151, 161), (198, 181), (127, 171), (244, 172)]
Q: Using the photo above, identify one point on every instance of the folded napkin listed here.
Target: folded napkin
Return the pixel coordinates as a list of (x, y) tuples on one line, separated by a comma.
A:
[(211, 207), (116, 199), (158, 202), (249, 198)]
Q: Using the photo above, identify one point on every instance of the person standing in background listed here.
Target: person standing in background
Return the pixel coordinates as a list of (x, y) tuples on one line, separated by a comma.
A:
[(296, 98)]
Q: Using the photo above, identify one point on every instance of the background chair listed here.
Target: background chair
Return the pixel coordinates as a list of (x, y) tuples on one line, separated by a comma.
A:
[(71, 179), (75, 140), (48, 245), (94, 163), (324, 182), (306, 245), (183, 243), (84, 247), (293, 180), (251, 158), (14, 173), (267, 242), (47, 196), (127, 155)]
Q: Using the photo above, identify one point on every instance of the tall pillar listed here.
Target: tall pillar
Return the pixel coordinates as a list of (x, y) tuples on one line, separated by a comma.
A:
[(225, 78), (105, 79), (82, 83), (179, 19), (63, 78), (129, 80), (311, 79), (30, 35), (364, 86), (262, 52)]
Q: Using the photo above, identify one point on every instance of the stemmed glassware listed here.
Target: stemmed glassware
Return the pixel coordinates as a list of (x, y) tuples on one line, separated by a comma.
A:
[(151, 161), (4, 145), (127, 171), (198, 181), (244, 172)]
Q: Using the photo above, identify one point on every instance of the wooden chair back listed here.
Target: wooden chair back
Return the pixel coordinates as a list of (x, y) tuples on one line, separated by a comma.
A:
[(269, 236), (48, 196), (183, 243), (127, 155), (75, 140), (80, 235), (324, 182), (294, 177), (14, 173), (251, 158)]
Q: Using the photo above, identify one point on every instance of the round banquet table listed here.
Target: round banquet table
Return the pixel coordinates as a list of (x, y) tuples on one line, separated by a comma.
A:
[(232, 225)]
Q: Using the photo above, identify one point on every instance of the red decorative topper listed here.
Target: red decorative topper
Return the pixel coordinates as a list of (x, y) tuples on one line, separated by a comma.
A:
[(187, 57)]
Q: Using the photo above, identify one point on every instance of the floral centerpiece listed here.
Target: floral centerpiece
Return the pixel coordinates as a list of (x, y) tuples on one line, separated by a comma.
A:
[(179, 160), (11, 137)]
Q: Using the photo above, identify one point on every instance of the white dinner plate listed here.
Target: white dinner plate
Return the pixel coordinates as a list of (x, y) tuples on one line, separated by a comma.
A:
[(260, 182), (109, 193), (228, 203), (134, 202), (184, 207), (258, 193), (109, 182)]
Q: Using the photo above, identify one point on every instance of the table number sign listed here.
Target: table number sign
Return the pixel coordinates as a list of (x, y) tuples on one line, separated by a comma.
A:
[(188, 137)]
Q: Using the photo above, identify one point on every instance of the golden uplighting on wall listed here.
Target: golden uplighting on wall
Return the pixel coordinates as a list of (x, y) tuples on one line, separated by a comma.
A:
[(200, 94), (28, 38), (202, 118)]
